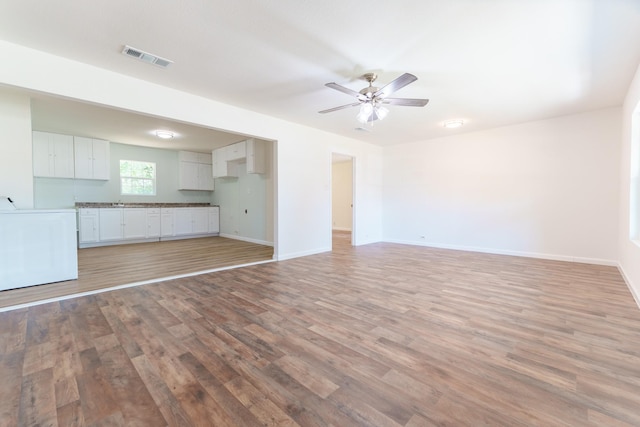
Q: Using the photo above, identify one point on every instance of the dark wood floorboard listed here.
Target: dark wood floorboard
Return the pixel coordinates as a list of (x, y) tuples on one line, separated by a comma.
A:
[(108, 266), (376, 335)]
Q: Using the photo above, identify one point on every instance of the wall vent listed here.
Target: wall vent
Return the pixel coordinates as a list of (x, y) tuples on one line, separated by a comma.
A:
[(146, 56)]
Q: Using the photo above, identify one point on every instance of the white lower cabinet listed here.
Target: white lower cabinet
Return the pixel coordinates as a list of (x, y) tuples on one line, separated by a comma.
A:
[(111, 225), (108, 226), (182, 223), (134, 223), (153, 222), (191, 221), (88, 226), (167, 220), (214, 220), (200, 219)]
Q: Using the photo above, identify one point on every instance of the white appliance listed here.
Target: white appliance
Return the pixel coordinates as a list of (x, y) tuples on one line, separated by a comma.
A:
[(37, 247), (6, 204)]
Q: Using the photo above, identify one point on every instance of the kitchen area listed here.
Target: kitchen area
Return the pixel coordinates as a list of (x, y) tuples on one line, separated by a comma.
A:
[(204, 183)]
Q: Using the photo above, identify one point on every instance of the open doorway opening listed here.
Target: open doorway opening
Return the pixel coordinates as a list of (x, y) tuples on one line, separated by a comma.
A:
[(342, 197)]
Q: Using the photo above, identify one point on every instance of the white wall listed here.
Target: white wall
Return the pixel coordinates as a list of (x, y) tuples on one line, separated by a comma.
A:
[(246, 202), (16, 180), (545, 189), (629, 251), (303, 221), (342, 195)]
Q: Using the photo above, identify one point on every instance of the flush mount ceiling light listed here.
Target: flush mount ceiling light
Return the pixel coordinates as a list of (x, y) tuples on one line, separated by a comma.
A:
[(452, 124), (164, 134)]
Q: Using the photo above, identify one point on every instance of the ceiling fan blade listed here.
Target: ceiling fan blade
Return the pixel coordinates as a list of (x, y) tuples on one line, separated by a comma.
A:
[(343, 89), (355, 104), (407, 102), (395, 85)]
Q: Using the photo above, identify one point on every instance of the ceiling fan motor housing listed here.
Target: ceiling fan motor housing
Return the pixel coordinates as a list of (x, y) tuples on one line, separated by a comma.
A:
[(369, 91)]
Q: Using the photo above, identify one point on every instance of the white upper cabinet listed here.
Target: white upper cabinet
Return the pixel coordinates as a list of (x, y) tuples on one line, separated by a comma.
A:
[(195, 171), (256, 152), (251, 152), (91, 158), (52, 155), (220, 163), (237, 151), (66, 156)]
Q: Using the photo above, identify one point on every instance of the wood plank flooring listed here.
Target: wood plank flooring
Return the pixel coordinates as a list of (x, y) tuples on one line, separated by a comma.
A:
[(376, 335), (108, 266)]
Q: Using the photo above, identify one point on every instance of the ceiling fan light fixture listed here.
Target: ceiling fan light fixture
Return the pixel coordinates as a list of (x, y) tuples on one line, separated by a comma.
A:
[(452, 124), (370, 113), (381, 112), (164, 134), (365, 112)]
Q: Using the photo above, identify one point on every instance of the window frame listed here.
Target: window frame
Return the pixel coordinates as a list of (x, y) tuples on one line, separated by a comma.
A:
[(144, 180)]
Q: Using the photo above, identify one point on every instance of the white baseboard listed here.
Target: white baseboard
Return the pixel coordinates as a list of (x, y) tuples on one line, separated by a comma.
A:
[(246, 239), (283, 257), (553, 257), (632, 289)]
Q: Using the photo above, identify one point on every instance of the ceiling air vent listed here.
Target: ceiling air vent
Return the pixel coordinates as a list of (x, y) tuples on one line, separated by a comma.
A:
[(146, 56)]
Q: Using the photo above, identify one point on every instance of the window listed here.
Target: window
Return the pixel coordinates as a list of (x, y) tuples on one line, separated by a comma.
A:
[(137, 178)]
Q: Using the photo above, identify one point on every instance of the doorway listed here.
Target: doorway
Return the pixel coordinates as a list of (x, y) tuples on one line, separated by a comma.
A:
[(342, 197)]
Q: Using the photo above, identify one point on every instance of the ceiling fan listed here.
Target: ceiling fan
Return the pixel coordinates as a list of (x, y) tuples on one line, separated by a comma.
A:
[(371, 99)]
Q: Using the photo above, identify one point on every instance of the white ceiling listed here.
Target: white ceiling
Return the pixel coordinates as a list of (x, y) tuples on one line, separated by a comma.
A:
[(490, 62)]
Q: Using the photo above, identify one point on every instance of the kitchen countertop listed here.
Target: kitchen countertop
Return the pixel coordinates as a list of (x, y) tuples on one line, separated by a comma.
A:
[(142, 205)]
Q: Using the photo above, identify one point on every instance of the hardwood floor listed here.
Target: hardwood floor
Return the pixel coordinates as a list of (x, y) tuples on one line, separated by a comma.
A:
[(376, 335), (108, 266)]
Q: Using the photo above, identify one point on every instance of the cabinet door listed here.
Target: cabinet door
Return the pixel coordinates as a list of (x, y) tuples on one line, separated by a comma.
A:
[(236, 151), (83, 159), (200, 218), (42, 157), (52, 155), (219, 162), (182, 222), (255, 156), (188, 176), (101, 159), (88, 225), (214, 220), (153, 222), (166, 222), (205, 177), (110, 224), (134, 223), (91, 158), (62, 155)]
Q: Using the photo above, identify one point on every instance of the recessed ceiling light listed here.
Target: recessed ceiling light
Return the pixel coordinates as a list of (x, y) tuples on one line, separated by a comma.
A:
[(164, 134), (451, 124)]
